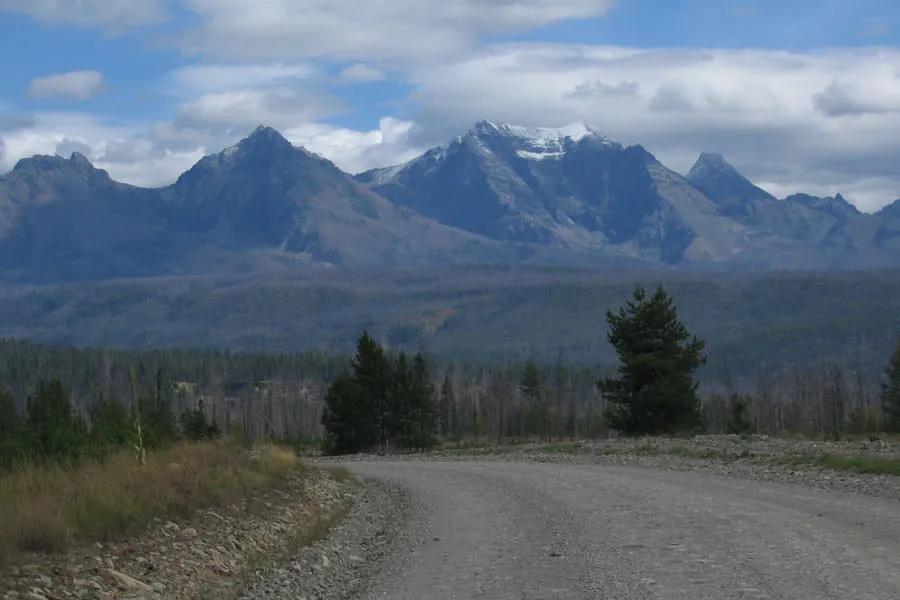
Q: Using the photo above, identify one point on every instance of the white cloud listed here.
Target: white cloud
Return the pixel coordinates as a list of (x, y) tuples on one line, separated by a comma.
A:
[(140, 156), (859, 96), (279, 107), (77, 85), (361, 72), (347, 29), (355, 151), (154, 155), (219, 78), (111, 15)]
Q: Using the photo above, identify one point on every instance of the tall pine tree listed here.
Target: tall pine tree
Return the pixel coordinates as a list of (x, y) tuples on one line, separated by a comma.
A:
[(423, 407), (536, 410), (400, 420), (447, 406), (890, 394), (654, 391), (348, 428), (11, 430), (357, 406)]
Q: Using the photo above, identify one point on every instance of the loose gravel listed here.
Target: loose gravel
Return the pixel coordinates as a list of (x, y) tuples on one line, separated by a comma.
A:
[(756, 458), (341, 566)]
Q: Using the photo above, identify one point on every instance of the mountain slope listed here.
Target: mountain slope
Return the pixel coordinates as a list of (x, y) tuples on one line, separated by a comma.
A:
[(264, 193), (499, 194), (251, 206), (62, 218), (568, 188)]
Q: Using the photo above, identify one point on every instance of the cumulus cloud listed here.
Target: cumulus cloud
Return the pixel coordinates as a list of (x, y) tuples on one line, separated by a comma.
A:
[(356, 151), (842, 98), (776, 115), (134, 154), (277, 107), (76, 85), (156, 154), (111, 15), (405, 29)]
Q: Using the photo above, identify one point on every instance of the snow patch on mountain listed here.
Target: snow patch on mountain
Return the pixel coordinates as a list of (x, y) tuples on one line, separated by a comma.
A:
[(538, 155)]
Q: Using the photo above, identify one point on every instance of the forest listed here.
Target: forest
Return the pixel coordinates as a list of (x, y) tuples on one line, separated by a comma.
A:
[(80, 401)]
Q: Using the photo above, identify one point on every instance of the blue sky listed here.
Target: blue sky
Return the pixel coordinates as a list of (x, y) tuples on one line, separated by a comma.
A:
[(799, 95)]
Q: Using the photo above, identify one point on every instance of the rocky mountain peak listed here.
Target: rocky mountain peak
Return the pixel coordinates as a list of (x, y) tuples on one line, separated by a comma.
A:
[(77, 165), (837, 206), (709, 164), (263, 138), (734, 195)]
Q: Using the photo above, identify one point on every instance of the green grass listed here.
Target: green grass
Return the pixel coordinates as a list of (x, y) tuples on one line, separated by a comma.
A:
[(855, 464)]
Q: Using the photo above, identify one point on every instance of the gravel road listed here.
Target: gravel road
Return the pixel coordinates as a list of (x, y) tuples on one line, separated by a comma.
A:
[(512, 530)]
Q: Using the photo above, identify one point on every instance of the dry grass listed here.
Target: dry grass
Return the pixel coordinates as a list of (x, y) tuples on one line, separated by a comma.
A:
[(48, 508)]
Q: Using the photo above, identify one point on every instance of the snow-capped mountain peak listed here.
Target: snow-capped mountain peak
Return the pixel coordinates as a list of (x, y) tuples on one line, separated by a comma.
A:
[(538, 143)]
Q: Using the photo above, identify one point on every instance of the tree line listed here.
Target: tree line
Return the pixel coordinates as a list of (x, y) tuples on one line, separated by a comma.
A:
[(384, 404), (50, 430), (381, 403), (380, 400), (652, 391)]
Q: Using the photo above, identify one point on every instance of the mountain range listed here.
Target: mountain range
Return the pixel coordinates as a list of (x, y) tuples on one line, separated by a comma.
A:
[(497, 195)]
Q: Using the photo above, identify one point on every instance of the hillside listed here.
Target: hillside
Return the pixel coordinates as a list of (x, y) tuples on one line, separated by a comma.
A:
[(759, 324)]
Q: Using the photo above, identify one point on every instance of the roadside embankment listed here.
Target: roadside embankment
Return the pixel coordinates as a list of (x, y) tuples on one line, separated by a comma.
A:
[(197, 521)]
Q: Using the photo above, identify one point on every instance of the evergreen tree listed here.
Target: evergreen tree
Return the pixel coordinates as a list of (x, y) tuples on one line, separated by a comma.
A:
[(195, 426), (655, 391), (110, 425), (447, 404), (536, 410), (11, 429), (358, 414), (10, 422), (739, 420), (348, 427), (422, 406), (399, 418), (372, 374), (890, 394), (158, 420), (52, 429)]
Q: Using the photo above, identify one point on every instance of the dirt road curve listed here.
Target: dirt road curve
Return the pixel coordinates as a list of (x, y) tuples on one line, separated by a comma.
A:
[(543, 531)]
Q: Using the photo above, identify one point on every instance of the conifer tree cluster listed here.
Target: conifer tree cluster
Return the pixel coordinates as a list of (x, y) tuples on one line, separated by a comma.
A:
[(381, 403), (50, 430)]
